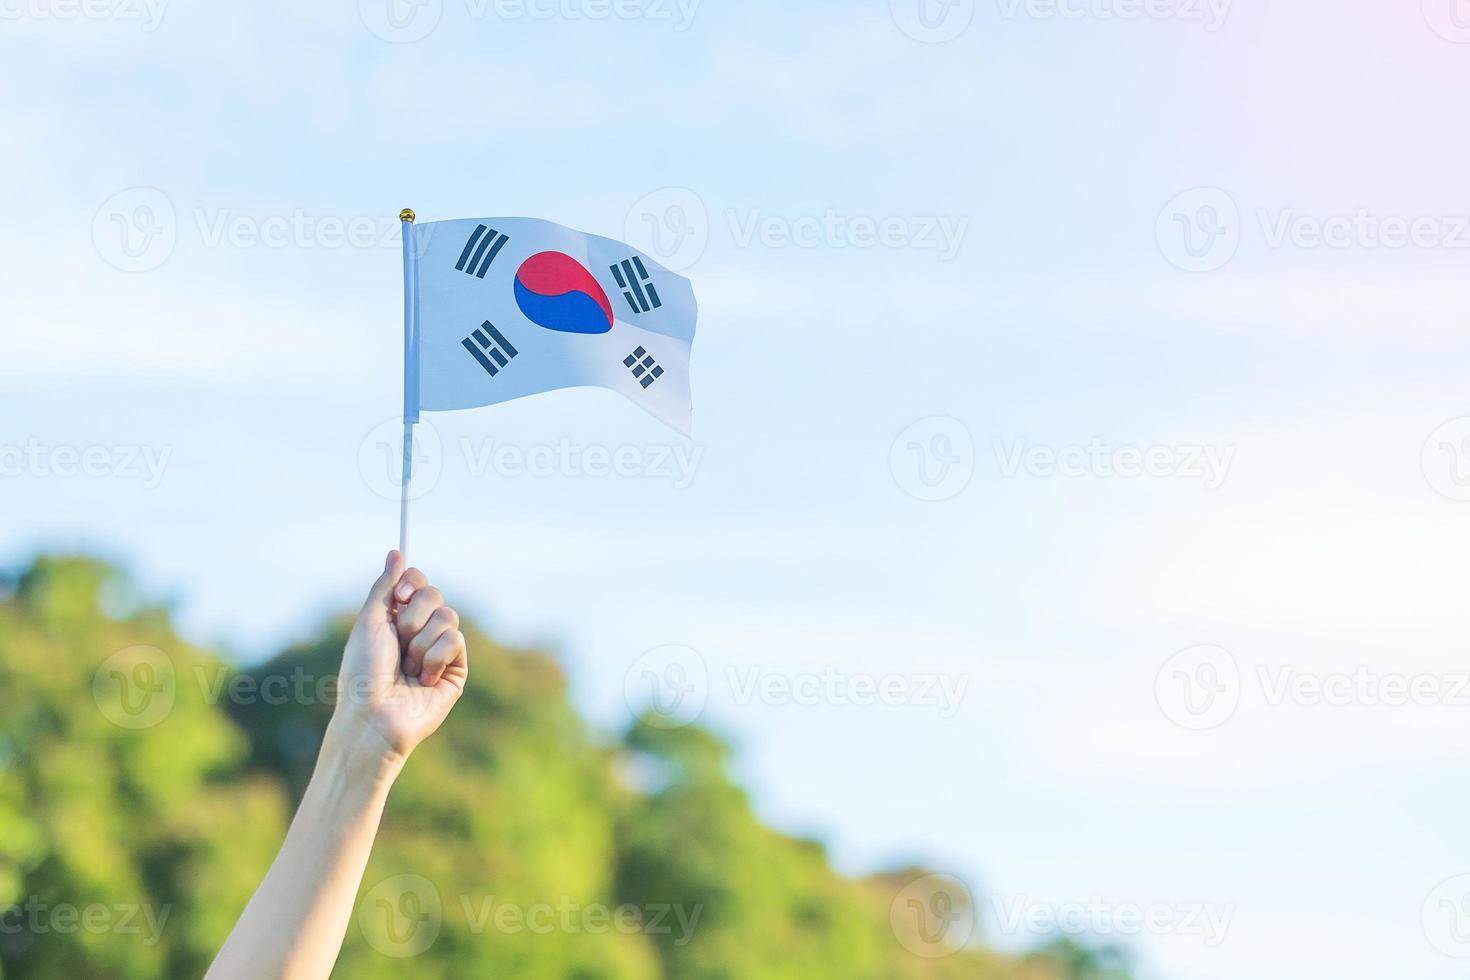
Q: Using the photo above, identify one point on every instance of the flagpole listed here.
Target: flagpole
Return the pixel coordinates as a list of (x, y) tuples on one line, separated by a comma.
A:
[(410, 368)]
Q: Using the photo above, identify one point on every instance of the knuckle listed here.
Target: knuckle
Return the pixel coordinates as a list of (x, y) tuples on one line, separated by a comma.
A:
[(422, 606)]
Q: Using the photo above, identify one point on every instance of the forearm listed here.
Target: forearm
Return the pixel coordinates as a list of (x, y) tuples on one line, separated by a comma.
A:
[(292, 928), (406, 658)]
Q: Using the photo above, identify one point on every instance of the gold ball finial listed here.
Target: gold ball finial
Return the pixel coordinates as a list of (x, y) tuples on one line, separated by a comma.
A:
[(406, 215)]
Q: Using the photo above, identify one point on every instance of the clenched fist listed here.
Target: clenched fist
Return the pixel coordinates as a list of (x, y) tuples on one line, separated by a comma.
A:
[(405, 664)]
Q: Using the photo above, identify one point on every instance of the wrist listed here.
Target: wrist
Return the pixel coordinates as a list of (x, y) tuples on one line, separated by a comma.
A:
[(354, 747)]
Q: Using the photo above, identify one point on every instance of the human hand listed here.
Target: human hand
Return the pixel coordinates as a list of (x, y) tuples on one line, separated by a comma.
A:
[(405, 664), (403, 669)]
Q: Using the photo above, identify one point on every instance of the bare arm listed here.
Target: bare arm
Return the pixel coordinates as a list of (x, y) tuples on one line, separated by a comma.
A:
[(403, 669)]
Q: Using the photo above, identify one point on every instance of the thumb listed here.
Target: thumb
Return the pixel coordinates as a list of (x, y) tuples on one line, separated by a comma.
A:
[(379, 603)]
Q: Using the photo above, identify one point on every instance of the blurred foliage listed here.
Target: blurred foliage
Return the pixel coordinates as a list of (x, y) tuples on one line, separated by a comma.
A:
[(1074, 959), (145, 786)]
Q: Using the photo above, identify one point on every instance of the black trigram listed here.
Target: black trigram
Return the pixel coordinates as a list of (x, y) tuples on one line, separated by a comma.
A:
[(480, 251), (495, 345), (634, 286), (643, 366)]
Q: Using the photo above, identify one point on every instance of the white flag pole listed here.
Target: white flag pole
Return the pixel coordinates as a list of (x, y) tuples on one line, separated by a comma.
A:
[(403, 493), (410, 368)]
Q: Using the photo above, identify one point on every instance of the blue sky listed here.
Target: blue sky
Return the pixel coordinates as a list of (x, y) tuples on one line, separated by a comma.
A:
[(1036, 175)]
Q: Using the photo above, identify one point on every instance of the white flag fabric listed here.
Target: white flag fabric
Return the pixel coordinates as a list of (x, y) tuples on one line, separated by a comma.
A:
[(510, 307)]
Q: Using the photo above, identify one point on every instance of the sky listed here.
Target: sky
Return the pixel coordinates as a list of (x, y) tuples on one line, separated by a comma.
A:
[(1080, 478)]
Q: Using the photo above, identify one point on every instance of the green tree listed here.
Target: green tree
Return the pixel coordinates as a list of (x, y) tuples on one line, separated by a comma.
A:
[(140, 773), (122, 788), (1074, 958)]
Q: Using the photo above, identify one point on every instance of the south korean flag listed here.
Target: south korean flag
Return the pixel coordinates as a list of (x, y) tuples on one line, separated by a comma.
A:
[(502, 308)]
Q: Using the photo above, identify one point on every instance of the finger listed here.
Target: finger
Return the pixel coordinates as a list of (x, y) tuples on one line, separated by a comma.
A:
[(412, 617), (411, 582), (380, 596), (440, 621), (445, 659)]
